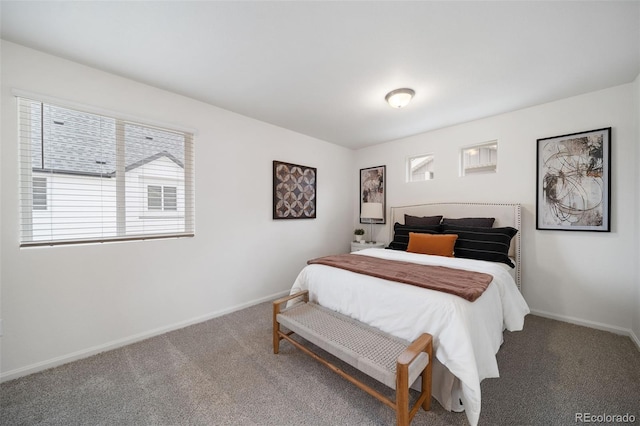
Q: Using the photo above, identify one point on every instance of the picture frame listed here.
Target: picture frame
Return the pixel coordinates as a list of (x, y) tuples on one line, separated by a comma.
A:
[(294, 191), (373, 190), (573, 182)]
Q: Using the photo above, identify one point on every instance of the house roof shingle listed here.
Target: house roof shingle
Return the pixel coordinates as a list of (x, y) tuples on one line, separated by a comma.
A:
[(82, 143)]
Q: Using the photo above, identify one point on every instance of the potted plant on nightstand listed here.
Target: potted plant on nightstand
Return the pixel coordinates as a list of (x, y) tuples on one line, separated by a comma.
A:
[(359, 233)]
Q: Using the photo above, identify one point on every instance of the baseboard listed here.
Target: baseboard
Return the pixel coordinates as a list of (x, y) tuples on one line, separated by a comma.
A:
[(44, 365), (591, 324), (635, 339)]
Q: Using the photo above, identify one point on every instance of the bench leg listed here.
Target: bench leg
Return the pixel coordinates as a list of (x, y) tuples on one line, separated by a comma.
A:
[(426, 378), (276, 329), (276, 310), (402, 395), (426, 388)]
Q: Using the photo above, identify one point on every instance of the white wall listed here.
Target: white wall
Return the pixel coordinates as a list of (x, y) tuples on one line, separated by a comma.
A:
[(583, 277), (60, 303)]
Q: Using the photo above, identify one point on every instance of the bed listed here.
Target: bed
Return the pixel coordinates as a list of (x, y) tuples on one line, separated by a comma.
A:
[(467, 335)]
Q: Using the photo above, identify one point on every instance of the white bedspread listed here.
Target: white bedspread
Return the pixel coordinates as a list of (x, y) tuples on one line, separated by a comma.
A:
[(467, 335)]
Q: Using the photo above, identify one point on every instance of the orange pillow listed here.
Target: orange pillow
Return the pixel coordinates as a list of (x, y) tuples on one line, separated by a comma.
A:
[(439, 245)]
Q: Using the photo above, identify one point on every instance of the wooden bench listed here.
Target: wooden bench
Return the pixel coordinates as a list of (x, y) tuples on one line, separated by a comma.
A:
[(392, 361)]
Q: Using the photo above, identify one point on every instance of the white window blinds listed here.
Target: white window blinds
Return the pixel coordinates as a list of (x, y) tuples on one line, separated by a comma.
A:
[(87, 177)]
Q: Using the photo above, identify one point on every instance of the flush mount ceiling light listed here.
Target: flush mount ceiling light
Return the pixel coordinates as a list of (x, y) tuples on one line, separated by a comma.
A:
[(400, 97)]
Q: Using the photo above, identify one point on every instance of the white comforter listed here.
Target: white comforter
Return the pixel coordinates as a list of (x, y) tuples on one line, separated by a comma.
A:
[(467, 335)]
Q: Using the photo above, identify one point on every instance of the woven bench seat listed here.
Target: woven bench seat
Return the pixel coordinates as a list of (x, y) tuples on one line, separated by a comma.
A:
[(388, 359)]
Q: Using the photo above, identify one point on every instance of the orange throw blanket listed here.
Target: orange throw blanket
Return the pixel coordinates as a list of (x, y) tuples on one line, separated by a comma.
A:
[(467, 284)]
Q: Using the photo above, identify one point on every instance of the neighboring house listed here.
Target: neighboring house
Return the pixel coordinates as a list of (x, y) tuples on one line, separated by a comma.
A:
[(80, 196), (421, 168)]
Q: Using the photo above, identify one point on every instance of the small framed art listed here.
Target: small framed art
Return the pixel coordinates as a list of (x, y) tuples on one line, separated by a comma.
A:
[(372, 193), (573, 189)]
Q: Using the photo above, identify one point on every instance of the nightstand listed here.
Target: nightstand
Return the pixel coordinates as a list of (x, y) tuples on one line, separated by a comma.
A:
[(355, 245)]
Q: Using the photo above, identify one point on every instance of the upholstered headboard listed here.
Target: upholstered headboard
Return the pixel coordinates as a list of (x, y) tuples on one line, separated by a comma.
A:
[(505, 215)]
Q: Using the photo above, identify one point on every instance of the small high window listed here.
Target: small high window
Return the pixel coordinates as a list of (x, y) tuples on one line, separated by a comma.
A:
[(481, 158), (420, 168)]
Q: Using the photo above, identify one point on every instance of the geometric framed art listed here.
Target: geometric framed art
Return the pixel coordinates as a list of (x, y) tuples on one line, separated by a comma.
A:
[(372, 190), (294, 191), (573, 188)]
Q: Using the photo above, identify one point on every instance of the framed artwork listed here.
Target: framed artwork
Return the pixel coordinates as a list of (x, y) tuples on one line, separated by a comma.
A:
[(573, 189), (294, 191), (372, 190)]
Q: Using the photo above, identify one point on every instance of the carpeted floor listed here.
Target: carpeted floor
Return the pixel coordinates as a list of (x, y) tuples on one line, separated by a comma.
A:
[(223, 372)]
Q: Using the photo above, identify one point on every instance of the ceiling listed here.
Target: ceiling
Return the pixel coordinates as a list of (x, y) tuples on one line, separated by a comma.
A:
[(323, 68)]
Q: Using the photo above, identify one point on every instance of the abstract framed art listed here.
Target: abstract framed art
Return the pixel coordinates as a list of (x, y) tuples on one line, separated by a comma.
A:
[(294, 191), (372, 190), (573, 182)]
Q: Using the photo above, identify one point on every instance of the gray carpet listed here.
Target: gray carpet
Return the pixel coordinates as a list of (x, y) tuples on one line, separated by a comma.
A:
[(223, 372)]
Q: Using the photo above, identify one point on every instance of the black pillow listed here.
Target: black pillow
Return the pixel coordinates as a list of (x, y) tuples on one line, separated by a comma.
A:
[(422, 221), (484, 222), (401, 234), (479, 243)]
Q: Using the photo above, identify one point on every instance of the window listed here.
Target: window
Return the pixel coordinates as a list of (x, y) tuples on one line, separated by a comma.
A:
[(481, 158), (89, 177), (162, 198), (39, 193), (154, 197), (169, 198), (419, 168)]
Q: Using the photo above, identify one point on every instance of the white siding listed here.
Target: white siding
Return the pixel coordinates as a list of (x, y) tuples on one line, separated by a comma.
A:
[(92, 214), (140, 219), (68, 202)]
